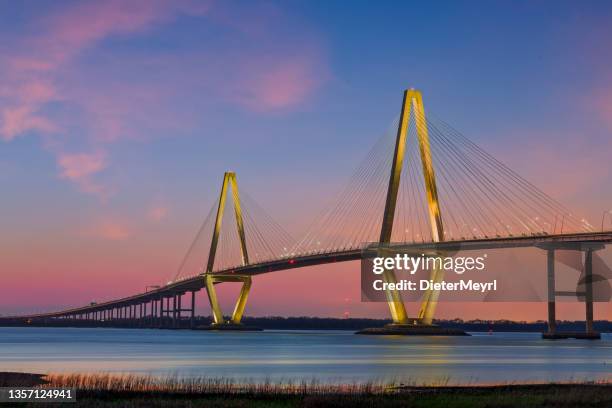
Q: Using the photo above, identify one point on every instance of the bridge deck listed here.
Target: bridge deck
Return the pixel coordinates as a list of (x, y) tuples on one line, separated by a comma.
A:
[(575, 241)]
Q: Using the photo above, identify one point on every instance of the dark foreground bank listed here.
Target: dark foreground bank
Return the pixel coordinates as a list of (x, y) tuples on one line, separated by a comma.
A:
[(100, 390)]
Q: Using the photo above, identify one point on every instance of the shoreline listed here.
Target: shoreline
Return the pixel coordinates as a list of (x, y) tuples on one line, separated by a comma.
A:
[(327, 323), (17, 379)]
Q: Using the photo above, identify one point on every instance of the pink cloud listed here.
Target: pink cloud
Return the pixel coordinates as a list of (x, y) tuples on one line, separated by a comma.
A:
[(87, 23), (20, 112), (80, 168), (37, 91), (279, 84), (112, 230), (157, 213), (18, 120), (19, 63)]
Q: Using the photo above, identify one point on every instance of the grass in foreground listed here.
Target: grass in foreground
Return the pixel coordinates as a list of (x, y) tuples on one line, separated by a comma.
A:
[(105, 390)]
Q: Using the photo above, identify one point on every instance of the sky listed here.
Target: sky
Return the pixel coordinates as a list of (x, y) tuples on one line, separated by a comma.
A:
[(118, 119)]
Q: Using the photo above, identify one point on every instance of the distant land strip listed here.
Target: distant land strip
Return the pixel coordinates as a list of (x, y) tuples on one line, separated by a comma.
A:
[(329, 323)]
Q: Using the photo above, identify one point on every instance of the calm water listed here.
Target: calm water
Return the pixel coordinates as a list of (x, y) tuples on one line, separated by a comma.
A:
[(329, 356)]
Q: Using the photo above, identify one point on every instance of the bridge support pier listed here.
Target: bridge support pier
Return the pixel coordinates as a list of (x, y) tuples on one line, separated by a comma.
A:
[(153, 319), (550, 263), (219, 322), (179, 314), (174, 309), (162, 312), (588, 288), (192, 316), (168, 320), (552, 333)]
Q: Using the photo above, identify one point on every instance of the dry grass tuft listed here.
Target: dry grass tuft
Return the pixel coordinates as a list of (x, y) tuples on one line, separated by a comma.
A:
[(210, 386)]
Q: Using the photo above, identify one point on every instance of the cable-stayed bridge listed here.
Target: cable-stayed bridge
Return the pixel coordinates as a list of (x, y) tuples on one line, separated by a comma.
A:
[(423, 186)]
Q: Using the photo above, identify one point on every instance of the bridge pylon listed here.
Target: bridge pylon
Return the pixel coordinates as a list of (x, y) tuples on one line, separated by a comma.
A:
[(412, 104), (229, 182)]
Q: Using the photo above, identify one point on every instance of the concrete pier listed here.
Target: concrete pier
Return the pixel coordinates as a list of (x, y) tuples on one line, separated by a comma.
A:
[(553, 333)]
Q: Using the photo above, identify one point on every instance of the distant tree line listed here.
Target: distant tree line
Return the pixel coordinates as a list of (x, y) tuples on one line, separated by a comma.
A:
[(326, 323)]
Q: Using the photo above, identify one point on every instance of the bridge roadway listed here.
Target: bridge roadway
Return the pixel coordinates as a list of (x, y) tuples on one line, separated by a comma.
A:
[(576, 241)]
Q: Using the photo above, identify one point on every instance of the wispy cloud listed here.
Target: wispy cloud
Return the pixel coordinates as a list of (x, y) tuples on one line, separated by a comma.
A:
[(18, 120), (278, 85), (74, 29), (81, 168), (109, 229), (48, 89), (33, 67), (20, 112), (157, 213)]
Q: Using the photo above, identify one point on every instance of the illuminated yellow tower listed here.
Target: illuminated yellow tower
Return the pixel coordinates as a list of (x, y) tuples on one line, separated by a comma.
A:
[(413, 103), (229, 181)]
